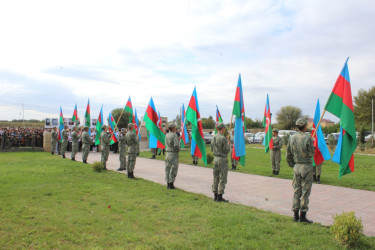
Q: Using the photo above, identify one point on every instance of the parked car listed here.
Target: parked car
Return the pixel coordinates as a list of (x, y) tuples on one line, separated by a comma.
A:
[(207, 137), (368, 138), (257, 138), (248, 137), (284, 132)]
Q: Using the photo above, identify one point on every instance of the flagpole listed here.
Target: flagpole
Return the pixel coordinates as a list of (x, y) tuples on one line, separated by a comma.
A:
[(317, 126), (230, 128)]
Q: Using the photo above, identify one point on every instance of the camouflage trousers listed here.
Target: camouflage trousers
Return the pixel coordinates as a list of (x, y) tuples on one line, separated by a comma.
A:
[(154, 151), (220, 174), (275, 159), (122, 158), (105, 153), (64, 144), (302, 183), (171, 167), (234, 162), (53, 146), (317, 170), (74, 150), (85, 151), (131, 163), (195, 158)]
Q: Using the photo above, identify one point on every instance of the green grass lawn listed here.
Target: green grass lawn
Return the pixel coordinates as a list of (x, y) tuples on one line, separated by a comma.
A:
[(50, 202), (259, 163)]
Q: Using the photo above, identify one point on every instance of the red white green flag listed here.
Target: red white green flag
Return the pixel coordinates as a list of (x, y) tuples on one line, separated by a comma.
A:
[(198, 145), (267, 142), (340, 104)]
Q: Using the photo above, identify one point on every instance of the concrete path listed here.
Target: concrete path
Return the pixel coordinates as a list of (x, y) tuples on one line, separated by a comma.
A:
[(267, 193)]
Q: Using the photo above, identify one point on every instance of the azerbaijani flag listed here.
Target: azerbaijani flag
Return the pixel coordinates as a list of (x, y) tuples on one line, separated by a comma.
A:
[(218, 118), (136, 125), (340, 104), (112, 125), (321, 149), (267, 141), (239, 125), (75, 114), (198, 146), (156, 134), (88, 117), (61, 125), (99, 124), (129, 108), (185, 136)]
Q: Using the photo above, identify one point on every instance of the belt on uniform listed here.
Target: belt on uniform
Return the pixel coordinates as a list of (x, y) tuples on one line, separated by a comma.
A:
[(220, 156)]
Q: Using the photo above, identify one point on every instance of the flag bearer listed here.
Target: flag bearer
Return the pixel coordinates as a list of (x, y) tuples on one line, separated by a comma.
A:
[(172, 144), (105, 139), (275, 151), (133, 150)]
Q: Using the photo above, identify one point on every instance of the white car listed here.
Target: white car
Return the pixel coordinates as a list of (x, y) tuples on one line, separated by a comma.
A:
[(368, 138), (207, 137)]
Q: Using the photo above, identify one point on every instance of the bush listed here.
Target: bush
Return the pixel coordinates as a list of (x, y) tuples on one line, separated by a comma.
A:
[(210, 158), (286, 138), (347, 229), (98, 166)]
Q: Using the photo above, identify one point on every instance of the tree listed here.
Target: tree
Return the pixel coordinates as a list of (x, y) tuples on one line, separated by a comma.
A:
[(362, 107), (177, 121), (124, 121), (250, 123), (331, 129), (208, 123), (287, 117)]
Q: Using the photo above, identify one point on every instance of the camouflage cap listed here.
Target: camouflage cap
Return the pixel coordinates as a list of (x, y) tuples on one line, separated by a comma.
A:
[(171, 125), (220, 125), (104, 126), (123, 130), (85, 127), (130, 125), (301, 122), (275, 130)]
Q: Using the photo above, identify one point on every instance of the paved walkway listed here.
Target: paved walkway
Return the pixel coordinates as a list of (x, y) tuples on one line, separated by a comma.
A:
[(267, 193)]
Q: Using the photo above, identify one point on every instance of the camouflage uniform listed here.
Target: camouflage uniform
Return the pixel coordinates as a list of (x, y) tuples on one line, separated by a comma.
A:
[(232, 160), (105, 139), (300, 151), (275, 153), (133, 150), (195, 159), (53, 141), (172, 145), (220, 149), (122, 151), (86, 141), (64, 142), (74, 144)]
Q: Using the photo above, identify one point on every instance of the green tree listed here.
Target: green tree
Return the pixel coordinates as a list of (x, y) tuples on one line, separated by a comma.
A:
[(250, 123), (331, 129), (124, 121), (287, 117), (177, 121), (362, 107), (208, 123)]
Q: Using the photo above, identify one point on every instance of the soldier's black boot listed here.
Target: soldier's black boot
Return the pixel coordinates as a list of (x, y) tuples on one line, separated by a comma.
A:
[(235, 167), (220, 198), (318, 179), (63, 156), (51, 153), (296, 216), (132, 175), (84, 161), (120, 169), (73, 159), (215, 196), (273, 172), (153, 157), (314, 177), (128, 174), (169, 185), (276, 172), (172, 186), (303, 218)]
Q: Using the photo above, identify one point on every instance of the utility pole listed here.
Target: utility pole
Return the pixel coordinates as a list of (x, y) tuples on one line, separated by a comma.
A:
[(23, 115)]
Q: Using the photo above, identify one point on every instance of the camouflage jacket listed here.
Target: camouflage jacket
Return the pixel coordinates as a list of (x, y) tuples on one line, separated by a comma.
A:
[(132, 142), (172, 143), (74, 136), (86, 139), (64, 135), (220, 146), (105, 138), (277, 142), (121, 142), (300, 149), (54, 136)]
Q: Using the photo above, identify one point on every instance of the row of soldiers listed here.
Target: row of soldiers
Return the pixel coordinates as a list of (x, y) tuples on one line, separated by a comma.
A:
[(21, 137), (127, 140)]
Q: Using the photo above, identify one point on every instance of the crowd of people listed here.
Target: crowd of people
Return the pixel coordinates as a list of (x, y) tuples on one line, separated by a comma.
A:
[(15, 137)]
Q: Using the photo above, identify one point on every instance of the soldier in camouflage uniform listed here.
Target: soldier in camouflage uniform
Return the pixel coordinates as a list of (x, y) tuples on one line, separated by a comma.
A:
[(74, 144), (317, 170), (105, 139), (86, 142), (232, 160), (53, 140), (133, 150), (64, 142), (122, 150), (172, 145), (275, 151), (300, 151), (220, 149)]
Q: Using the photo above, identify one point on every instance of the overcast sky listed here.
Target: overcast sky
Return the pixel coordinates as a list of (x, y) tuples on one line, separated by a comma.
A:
[(56, 53)]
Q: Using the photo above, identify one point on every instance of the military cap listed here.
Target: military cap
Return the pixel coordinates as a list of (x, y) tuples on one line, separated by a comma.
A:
[(275, 130), (301, 122), (85, 127), (171, 125), (123, 130), (104, 126), (130, 125), (220, 125)]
